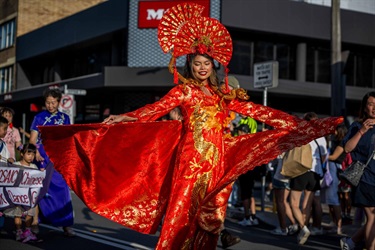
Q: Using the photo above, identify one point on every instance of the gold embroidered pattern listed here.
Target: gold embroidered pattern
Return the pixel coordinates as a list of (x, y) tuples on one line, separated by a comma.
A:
[(204, 119), (198, 193), (141, 213)]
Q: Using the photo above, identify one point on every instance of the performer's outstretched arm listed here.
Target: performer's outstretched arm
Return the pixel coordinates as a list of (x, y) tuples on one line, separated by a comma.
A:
[(151, 112), (270, 116)]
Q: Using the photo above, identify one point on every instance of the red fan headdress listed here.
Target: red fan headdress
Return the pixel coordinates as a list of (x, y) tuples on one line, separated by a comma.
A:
[(183, 30), (204, 35), (172, 21)]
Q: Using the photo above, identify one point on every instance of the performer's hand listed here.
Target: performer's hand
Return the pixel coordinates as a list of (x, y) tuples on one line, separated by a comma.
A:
[(42, 169), (118, 118), (11, 160)]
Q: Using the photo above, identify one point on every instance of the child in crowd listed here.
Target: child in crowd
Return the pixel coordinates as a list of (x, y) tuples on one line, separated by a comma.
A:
[(4, 152), (12, 137), (28, 152)]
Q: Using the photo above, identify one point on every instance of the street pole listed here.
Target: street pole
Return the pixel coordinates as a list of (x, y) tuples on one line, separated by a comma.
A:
[(263, 179), (337, 79), (264, 102)]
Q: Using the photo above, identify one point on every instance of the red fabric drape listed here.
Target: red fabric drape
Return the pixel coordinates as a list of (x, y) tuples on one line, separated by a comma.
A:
[(104, 167)]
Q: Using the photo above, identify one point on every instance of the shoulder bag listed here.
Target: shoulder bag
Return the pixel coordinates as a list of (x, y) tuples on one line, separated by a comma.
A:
[(297, 161), (327, 177), (353, 173)]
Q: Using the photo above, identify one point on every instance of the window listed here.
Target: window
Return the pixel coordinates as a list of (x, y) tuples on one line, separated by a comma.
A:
[(360, 70), (324, 66), (246, 53), (364, 71), (285, 55), (264, 51), (7, 33), (349, 71), (318, 65), (241, 60), (6, 79)]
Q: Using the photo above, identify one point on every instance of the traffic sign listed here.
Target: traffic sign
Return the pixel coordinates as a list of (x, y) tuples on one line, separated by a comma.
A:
[(67, 106), (66, 101), (266, 74), (75, 91)]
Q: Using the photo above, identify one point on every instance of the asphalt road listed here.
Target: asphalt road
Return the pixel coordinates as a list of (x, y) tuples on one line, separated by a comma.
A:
[(95, 233)]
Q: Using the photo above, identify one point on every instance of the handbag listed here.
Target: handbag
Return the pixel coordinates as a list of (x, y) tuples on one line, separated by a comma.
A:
[(297, 161), (353, 173), (327, 177)]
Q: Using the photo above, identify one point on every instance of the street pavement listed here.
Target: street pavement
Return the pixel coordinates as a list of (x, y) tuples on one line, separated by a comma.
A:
[(266, 214), (269, 217), (96, 233)]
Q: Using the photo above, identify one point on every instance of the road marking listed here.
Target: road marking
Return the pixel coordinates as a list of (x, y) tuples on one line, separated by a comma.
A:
[(104, 239)]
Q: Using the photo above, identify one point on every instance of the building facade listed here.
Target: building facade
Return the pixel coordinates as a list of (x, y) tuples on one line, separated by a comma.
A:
[(107, 49)]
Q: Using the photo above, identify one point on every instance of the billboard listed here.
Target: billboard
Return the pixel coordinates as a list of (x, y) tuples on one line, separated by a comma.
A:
[(144, 17), (150, 12)]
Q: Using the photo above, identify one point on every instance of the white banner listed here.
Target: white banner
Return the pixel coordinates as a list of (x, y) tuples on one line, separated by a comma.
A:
[(20, 186), (8, 176)]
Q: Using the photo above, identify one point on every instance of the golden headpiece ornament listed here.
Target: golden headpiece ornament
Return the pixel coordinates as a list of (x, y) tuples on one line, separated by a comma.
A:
[(182, 31)]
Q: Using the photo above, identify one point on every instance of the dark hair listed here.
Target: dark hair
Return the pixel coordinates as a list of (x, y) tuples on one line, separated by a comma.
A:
[(179, 114), (3, 121), (27, 147), (341, 131), (7, 110), (244, 128), (55, 93), (310, 116), (362, 113), (188, 68)]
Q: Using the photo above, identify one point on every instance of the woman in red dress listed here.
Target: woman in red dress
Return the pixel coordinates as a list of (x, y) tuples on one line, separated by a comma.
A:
[(197, 205), (205, 163)]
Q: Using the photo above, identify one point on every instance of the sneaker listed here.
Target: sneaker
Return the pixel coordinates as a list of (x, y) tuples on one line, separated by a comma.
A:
[(333, 230), (344, 244), (28, 236), (348, 217), (254, 222), (293, 229), (245, 222), (19, 234), (68, 232), (331, 224), (303, 235), (35, 228), (228, 239), (316, 231), (279, 231), (336, 230), (266, 198)]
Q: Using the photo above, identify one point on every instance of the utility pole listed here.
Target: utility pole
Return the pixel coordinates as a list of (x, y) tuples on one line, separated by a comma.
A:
[(338, 94)]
